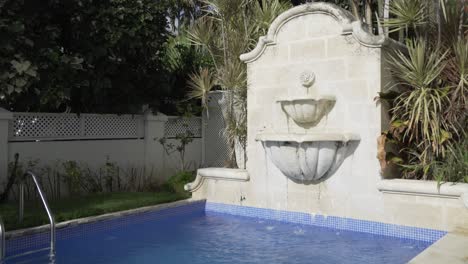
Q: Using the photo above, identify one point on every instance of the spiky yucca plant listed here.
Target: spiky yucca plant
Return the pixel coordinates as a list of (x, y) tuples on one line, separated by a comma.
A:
[(201, 84), (429, 110)]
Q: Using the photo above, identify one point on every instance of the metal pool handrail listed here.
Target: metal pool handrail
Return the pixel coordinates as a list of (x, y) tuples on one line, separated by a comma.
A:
[(46, 206), (2, 241)]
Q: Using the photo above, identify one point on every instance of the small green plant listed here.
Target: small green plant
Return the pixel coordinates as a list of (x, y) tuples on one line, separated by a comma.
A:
[(455, 167), (21, 168), (79, 179), (52, 181), (139, 179), (111, 173), (175, 184), (183, 140), (72, 177)]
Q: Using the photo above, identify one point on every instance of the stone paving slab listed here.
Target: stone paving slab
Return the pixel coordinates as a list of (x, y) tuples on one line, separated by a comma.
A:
[(451, 249)]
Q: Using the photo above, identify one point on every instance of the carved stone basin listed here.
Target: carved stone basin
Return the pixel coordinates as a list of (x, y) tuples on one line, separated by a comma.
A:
[(305, 110), (307, 158)]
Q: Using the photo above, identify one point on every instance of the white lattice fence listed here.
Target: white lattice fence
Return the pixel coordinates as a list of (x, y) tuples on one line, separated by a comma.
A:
[(176, 125), (51, 126)]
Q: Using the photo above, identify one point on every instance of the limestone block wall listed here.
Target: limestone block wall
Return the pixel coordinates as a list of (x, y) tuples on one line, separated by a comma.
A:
[(349, 64)]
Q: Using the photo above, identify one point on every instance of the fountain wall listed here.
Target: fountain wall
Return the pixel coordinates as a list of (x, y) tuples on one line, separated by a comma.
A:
[(349, 64)]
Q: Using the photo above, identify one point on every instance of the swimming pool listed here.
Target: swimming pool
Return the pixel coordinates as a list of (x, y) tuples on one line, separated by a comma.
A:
[(197, 233)]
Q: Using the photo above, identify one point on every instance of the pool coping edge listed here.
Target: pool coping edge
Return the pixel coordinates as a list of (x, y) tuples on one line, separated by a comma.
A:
[(91, 219), (451, 247)]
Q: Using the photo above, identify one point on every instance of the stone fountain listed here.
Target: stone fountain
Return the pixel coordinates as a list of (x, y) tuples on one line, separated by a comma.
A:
[(312, 118), (315, 155)]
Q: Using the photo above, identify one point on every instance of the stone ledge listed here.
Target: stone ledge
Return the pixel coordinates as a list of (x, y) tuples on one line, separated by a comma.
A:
[(217, 174), (425, 188)]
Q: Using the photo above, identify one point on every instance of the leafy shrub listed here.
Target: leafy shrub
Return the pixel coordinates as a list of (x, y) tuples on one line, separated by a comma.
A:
[(73, 177), (226, 34), (176, 183), (82, 55), (428, 100), (183, 140), (79, 179), (455, 166)]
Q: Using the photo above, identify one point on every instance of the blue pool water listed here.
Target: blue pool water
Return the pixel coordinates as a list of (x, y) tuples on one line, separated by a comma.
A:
[(200, 237)]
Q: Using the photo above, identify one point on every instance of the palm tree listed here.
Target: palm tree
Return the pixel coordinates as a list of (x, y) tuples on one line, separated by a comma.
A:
[(228, 29)]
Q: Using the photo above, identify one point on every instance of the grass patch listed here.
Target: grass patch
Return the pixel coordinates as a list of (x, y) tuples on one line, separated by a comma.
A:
[(77, 207)]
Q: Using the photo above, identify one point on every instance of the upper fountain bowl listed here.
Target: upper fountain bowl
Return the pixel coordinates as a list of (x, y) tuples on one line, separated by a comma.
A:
[(307, 110)]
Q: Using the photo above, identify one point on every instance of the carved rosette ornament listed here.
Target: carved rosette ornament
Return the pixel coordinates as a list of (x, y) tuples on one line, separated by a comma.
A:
[(307, 79)]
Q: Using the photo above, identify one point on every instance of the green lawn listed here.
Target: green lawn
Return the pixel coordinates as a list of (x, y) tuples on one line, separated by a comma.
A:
[(90, 205)]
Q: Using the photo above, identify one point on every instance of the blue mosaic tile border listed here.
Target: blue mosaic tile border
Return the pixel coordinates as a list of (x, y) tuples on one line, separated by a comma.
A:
[(41, 240), (26, 243), (377, 228)]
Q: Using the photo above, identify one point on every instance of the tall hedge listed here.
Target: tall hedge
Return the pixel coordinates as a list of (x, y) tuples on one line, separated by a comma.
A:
[(82, 55)]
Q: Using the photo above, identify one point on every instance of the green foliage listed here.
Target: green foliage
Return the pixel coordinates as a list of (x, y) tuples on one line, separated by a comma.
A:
[(428, 102), (225, 31), (12, 178), (180, 60), (83, 55), (72, 177), (341, 3), (455, 167), (183, 140), (181, 13), (175, 184), (408, 14), (421, 104), (78, 179), (201, 84)]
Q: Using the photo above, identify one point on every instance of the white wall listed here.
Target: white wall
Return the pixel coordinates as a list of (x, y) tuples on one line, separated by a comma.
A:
[(92, 152), (193, 157), (5, 118), (141, 149), (95, 153)]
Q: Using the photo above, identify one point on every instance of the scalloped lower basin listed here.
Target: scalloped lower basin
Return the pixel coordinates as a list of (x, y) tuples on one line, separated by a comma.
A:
[(307, 158), (307, 110)]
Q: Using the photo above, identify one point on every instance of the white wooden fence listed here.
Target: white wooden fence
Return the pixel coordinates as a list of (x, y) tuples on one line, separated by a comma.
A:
[(52, 126), (94, 139)]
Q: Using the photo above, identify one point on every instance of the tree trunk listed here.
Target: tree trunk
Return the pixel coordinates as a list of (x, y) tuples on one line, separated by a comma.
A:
[(231, 111), (354, 6), (386, 15), (369, 13), (462, 19)]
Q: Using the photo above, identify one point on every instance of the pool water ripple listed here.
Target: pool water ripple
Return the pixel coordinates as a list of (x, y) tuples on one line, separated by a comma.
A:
[(217, 238)]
